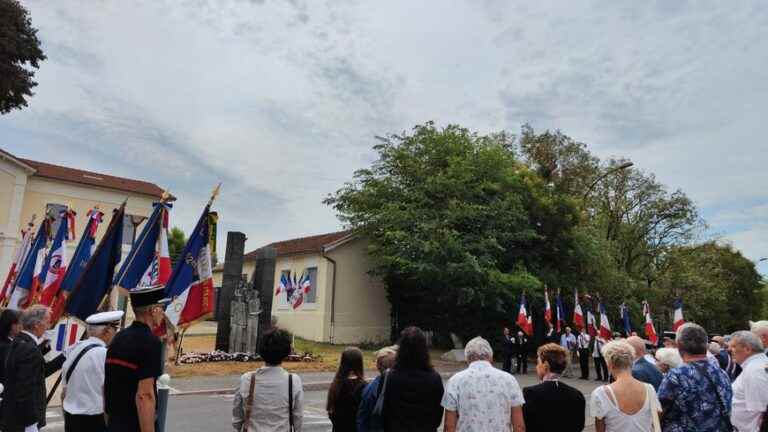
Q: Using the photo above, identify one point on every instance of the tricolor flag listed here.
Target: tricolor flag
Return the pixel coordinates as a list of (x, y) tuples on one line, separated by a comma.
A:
[(296, 294), (578, 315), (77, 264), (306, 283), (547, 308), (65, 334), (95, 281), (148, 264), (55, 265), (650, 330), (591, 324), (27, 279), (605, 325), (18, 260), (624, 311), (522, 317), (282, 285), (190, 286), (678, 320), (560, 323)]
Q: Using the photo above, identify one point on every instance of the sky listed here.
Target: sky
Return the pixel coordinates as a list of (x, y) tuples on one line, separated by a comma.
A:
[(281, 100)]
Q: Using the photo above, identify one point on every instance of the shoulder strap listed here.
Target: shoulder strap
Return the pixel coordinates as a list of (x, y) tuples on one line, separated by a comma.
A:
[(290, 401), (77, 360), (249, 404)]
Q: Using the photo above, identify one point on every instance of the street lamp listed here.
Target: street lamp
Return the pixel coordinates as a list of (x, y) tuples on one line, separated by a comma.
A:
[(623, 166), (762, 259)]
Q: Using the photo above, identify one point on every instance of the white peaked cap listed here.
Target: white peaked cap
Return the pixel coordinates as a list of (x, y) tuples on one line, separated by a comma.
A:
[(104, 317)]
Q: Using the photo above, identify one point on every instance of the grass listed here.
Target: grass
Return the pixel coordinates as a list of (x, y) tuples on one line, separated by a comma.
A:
[(328, 359)]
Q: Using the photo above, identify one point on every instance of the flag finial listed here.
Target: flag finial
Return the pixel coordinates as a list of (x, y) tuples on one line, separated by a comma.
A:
[(214, 193)]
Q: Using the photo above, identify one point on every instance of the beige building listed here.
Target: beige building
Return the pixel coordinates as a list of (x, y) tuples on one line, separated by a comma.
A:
[(350, 308), (30, 188)]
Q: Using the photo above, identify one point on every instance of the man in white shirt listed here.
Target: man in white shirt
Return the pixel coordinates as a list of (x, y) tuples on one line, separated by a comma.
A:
[(750, 389), (482, 398), (83, 373), (583, 344)]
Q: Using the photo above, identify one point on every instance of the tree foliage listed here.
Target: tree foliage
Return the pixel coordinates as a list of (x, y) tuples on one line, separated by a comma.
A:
[(176, 242), (20, 54)]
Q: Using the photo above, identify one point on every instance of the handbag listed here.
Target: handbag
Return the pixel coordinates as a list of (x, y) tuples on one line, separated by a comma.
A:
[(726, 419), (290, 402), (249, 405)]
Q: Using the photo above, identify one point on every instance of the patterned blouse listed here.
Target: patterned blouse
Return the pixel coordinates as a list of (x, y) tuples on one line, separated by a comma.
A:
[(690, 400), (483, 396)]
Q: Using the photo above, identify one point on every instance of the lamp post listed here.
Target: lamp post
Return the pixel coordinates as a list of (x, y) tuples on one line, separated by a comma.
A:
[(623, 166)]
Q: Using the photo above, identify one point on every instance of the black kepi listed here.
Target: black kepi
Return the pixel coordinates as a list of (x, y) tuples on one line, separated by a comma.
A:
[(147, 296)]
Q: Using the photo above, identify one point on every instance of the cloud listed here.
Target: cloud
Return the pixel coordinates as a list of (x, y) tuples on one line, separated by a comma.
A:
[(281, 100)]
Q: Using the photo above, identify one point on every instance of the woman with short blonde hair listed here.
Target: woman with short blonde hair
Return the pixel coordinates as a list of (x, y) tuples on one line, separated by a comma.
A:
[(627, 404)]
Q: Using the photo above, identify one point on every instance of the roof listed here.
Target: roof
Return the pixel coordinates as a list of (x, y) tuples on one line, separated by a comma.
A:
[(7, 156), (90, 178), (303, 244)]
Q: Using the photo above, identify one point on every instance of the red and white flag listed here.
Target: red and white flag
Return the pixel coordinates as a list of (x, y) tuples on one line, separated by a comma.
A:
[(678, 320), (21, 254), (605, 325), (650, 330), (547, 308), (523, 321), (578, 315), (591, 324)]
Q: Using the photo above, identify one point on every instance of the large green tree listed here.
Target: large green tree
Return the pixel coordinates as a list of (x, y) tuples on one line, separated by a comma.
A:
[(176, 242), (458, 227), (20, 55)]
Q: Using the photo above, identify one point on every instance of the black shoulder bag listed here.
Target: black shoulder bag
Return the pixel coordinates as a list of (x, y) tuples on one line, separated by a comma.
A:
[(725, 418), (290, 401), (77, 360)]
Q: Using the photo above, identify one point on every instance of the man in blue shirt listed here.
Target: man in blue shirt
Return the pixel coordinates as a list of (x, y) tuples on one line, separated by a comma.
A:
[(642, 369), (385, 359)]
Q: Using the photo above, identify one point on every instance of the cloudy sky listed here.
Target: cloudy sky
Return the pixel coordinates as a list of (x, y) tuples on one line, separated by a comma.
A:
[(280, 100)]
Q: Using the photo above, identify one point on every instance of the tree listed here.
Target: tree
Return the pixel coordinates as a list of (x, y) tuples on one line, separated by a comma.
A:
[(20, 52), (458, 227), (176, 242)]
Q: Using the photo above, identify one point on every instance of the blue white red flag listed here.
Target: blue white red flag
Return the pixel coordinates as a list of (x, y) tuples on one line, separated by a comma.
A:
[(148, 264), (18, 261), (282, 286), (95, 281), (77, 264), (650, 330), (306, 283), (625, 319), (523, 320), (605, 325), (190, 287), (591, 324), (678, 320), (296, 296), (560, 324), (65, 334), (27, 282), (578, 315), (55, 265), (547, 308)]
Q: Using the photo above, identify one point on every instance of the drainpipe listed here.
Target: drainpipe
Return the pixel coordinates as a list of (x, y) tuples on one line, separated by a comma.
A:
[(333, 293)]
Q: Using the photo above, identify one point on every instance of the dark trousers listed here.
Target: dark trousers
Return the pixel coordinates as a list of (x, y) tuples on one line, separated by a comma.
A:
[(507, 366), (601, 369), (84, 423), (522, 363), (584, 363)]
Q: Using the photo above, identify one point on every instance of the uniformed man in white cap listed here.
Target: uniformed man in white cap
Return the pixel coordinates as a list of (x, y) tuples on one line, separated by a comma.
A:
[(83, 373)]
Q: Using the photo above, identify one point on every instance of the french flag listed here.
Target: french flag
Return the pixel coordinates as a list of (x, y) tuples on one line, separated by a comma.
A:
[(55, 266), (148, 263), (560, 315), (306, 283), (296, 296), (650, 330), (591, 324), (678, 320), (605, 325), (547, 308), (578, 315), (522, 317), (27, 280), (624, 312), (66, 333), (18, 261), (282, 286)]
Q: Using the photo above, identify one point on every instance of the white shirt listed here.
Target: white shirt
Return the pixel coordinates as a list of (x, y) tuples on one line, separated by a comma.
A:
[(483, 396), (598, 346), (85, 388), (583, 340), (606, 408), (750, 394), (568, 341), (650, 359)]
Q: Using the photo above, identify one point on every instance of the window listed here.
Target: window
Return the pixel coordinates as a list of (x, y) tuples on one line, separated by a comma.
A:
[(55, 210), (311, 297)]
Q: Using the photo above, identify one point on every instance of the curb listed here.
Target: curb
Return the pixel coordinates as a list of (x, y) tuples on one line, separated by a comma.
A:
[(310, 386)]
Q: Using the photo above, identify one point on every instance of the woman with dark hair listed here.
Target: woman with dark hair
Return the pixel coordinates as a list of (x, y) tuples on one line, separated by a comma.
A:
[(412, 389), (9, 328), (270, 398), (346, 391)]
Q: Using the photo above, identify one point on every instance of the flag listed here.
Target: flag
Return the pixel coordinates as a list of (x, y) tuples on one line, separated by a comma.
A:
[(77, 264), (605, 325), (190, 287), (18, 260), (283, 285), (547, 308), (65, 334), (148, 264), (678, 320), (296, 298), (306, 283), (578, 315), (624, 312), (560, 314), (591, 324), (55, 265), (650, 330), (26, 283), (95, 281), (524, 321)]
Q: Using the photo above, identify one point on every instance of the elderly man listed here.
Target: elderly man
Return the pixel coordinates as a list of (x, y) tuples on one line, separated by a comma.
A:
[(83, 374), (568, 341), (750, 390), (482, 398), (385, 359), (760, 329), (642, 369), (23, 407), (697, 395)]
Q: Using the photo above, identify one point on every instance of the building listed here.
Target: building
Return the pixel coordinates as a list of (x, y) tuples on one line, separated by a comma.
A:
[(30, 188), (345, 304)]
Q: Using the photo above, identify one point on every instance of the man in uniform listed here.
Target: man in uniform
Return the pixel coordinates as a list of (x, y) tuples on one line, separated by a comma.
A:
[(507, 347), (132, 366), (83, 374), (521, 353)]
